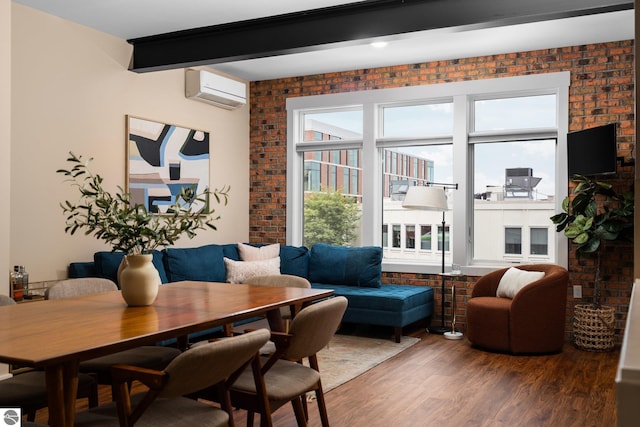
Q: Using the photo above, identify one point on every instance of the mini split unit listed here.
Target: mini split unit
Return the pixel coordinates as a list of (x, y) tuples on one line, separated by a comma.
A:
[(214, 89)]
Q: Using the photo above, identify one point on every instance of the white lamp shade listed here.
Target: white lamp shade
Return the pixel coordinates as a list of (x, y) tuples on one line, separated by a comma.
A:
[(425, 198)]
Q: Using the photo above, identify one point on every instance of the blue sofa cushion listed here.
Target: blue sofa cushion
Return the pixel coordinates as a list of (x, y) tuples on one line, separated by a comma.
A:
[(389, 305), (204, 263), (107, 263), (294, 260), (81, 269), (385, 298), (158, 263), (339, 265), (230, 250)]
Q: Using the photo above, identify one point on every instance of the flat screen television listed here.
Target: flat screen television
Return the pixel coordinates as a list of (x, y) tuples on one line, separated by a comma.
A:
[(592, 151)]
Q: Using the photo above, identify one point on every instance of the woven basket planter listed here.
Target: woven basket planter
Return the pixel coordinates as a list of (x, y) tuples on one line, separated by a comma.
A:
[(594, 329)]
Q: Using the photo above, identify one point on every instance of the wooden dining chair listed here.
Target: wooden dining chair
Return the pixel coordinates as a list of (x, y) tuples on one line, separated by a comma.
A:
[(164, 404), (28, 390), (282, 378), (151, 357), (77, 287)]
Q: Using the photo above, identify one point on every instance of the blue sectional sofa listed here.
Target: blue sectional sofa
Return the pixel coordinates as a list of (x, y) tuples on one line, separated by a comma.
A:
[(355, 273)]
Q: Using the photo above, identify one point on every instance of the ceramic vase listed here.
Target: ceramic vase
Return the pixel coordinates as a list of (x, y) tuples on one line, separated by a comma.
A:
[(139, 280)]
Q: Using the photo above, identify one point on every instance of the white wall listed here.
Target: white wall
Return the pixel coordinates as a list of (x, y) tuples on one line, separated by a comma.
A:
[(5, 143), (493, 217), (5, 138), (71, 91)]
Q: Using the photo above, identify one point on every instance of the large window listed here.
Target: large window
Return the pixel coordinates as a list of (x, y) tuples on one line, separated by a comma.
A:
[(425, 119), (502, 141), (426, 164), (516, 112), (514, 183)]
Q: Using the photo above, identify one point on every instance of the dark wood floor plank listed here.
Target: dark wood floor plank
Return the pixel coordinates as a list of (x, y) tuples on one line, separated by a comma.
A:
[(438, 382)]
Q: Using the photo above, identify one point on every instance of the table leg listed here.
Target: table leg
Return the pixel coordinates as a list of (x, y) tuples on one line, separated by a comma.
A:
[(183, 342), (62, 389), (275, 320)]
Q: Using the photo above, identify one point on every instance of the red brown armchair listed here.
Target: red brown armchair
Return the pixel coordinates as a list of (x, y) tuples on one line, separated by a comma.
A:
[(531, 322)]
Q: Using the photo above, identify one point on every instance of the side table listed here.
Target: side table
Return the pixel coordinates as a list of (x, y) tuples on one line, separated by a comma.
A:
[(449, 332), (36, 291)]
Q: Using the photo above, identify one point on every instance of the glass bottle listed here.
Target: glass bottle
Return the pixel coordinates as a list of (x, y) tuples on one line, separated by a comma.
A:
[(25, 280), (17, 290)]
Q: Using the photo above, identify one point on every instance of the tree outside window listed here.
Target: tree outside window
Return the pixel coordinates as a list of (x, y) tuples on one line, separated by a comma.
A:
[(332, 218)]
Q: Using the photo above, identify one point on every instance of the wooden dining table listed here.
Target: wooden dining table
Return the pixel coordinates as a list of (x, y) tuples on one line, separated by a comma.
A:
[(56, 335)]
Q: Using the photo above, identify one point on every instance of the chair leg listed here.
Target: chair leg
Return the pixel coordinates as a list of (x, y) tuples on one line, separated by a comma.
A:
[(305, 406), (250, 418), (226, 405), (299, 411), (261, 394), (113, 391), (93, 396), (31, 415), (322, 407), (228, 329), (265, 420), (397, 333)]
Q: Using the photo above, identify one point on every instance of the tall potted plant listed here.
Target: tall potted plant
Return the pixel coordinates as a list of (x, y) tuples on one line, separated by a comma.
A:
[(132, 228), (594, 214)]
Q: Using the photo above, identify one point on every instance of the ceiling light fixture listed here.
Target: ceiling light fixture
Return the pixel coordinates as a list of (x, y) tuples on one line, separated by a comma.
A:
[(379, 44)]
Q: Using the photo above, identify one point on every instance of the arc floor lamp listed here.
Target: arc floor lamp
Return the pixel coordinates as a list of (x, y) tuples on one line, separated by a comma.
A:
[(430, 198)]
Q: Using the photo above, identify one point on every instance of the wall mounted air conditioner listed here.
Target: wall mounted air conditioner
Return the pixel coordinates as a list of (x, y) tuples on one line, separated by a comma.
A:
[(214, 89)]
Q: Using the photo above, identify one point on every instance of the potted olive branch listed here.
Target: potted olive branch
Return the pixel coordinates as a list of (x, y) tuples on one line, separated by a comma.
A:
[(594, 214), (131, 228)]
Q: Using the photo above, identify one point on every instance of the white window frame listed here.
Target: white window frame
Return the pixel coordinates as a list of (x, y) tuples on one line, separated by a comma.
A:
[(462, 94)]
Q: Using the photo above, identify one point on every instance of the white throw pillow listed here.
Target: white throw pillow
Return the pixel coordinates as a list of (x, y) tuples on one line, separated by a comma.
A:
[(239, 271), (515, 279), (254, 253)]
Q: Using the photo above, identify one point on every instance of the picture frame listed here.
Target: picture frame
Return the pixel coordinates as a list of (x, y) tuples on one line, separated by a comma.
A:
[(163, 159)]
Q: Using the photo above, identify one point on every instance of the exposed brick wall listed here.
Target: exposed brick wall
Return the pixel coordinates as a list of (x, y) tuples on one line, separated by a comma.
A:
[(601, 91)]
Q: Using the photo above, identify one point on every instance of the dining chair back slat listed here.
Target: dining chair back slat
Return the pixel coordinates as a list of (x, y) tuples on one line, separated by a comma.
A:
[(165, 404)]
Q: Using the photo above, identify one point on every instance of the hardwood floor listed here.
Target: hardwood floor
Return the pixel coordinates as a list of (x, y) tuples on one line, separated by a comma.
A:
[(438, 382)]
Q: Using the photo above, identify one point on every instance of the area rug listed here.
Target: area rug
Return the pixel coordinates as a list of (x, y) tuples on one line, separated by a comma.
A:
[(348, 356)]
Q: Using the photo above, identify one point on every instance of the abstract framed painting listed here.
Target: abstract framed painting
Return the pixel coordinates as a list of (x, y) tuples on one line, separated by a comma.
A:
[(162, 160)]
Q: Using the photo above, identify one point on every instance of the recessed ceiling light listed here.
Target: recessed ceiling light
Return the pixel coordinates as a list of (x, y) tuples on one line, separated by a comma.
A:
[(379, 44)]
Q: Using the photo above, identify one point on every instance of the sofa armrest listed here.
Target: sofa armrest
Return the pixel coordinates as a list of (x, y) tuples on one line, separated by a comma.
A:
[(544, 300), (538, 313)]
